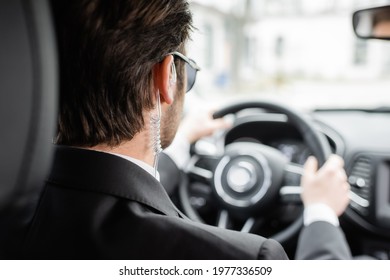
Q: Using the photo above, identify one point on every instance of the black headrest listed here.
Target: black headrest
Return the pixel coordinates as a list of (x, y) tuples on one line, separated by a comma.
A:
[(28, 108)]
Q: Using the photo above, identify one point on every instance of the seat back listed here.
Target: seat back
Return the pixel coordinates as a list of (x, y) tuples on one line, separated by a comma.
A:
[(28, 108)]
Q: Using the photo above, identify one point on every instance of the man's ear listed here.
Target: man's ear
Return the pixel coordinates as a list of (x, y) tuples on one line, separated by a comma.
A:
[(164, 79)]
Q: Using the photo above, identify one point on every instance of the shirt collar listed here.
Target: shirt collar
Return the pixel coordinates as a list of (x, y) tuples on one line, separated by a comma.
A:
[(140, 163)]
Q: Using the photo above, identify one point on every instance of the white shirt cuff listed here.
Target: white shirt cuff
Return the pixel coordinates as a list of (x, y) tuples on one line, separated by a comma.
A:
[(317, 212)]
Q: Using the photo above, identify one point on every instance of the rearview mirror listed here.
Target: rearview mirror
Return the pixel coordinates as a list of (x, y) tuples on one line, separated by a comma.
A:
[(372, 23)]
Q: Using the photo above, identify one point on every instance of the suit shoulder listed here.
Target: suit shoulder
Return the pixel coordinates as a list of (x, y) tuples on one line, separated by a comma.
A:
[(272, 250)]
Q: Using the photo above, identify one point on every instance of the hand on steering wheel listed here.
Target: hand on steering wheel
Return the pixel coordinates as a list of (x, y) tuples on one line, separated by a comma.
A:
[(250, 178)]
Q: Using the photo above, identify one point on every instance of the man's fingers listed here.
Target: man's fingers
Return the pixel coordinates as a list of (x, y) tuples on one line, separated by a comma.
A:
[(334, 161), (220, 124), (311, 166)]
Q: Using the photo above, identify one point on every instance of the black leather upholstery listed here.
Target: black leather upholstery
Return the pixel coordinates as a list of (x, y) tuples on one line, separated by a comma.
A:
[(28, 101)]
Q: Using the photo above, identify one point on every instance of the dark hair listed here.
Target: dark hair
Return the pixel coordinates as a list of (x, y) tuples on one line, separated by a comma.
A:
[(107, 53)]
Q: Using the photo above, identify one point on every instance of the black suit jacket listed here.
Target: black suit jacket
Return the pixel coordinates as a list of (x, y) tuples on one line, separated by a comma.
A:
[(100, 206)]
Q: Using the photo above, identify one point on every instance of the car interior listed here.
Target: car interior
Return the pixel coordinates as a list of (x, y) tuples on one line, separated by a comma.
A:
[(267, 147), (245, 178)]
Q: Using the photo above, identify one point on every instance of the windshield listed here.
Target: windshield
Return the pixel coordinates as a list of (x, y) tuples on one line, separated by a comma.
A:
[(302, 53)]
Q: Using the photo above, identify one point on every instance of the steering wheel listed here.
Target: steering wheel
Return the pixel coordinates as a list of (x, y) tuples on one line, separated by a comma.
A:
[(248, 179)]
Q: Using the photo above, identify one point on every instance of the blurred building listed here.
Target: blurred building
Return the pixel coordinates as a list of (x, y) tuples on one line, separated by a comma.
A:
[(253, 44)]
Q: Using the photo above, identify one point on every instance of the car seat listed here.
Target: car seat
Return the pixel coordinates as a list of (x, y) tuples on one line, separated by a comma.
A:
[(28, 108)]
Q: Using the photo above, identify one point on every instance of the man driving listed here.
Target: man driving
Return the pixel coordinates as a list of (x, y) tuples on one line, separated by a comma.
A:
[(124, 75)]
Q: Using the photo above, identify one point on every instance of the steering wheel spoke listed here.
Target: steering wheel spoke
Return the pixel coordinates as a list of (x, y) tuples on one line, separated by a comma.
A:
[(248, 225), (290, 194), (292, 174), (223, 219), (291, 190), (201, 167)]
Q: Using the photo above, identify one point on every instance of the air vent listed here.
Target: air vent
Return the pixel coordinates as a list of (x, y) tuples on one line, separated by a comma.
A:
[(360, 181)]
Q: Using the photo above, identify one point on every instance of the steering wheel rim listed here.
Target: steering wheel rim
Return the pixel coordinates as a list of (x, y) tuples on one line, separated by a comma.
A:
[(313, 139)]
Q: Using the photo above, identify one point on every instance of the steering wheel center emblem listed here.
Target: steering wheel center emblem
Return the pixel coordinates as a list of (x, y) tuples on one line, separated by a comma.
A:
[(241, 177)]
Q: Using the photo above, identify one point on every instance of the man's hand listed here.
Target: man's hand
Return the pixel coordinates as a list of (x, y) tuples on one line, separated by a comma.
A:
[(196, 126), (327, 185)]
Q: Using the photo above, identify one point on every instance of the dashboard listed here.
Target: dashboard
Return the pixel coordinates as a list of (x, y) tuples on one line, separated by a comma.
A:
[(366, 139), (275, 132), (363, 140)]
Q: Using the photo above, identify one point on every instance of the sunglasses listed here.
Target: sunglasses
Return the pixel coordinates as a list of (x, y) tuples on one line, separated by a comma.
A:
[(191, 68)]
